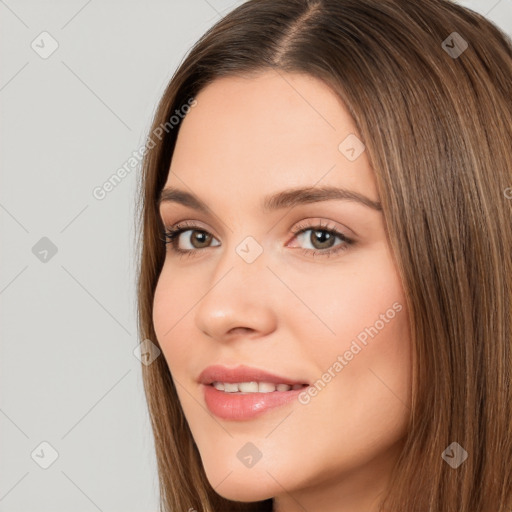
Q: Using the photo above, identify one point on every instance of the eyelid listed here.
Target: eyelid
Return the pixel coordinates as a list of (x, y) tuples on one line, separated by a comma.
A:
[(309, 223), (188, 224), (324, 224)]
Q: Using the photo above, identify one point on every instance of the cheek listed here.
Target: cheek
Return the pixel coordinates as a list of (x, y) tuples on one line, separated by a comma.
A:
[(173, 299), (362, 391), (361, 347), (362, 299)]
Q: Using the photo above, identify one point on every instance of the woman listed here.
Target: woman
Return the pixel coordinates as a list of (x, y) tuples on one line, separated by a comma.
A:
[(325, 262)]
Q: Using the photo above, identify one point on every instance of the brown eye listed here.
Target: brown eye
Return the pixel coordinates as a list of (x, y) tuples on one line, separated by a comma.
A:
[(321, 238), (193, 238), (199, 239)]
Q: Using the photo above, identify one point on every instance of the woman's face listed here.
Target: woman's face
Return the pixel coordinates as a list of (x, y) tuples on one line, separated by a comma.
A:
[(269, 284)]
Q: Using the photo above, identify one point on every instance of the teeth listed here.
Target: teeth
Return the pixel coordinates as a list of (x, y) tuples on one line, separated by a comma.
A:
[(266, 387), (253, 387), (247, 387)]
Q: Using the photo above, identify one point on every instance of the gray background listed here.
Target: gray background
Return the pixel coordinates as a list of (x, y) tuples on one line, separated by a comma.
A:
[(68, 122)]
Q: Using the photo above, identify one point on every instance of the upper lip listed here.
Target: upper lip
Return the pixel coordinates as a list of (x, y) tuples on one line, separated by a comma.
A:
[(242, 373)]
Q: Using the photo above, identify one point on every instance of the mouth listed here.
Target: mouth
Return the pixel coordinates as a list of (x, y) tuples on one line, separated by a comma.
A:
[(243, 393)]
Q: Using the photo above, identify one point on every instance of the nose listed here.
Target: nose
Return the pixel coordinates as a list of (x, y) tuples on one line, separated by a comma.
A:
[(238, 300)]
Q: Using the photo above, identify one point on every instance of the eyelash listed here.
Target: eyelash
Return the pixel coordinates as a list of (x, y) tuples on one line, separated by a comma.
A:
[(172, 234)]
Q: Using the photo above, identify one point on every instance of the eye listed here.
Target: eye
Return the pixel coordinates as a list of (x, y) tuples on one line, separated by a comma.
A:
[(322, 239), (194, 238)]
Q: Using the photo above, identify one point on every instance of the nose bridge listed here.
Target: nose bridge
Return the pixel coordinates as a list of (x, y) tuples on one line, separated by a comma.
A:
[(236, 296), (244, 259)]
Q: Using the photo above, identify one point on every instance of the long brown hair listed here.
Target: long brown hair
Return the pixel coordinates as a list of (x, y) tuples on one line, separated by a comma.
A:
[(429, 85)]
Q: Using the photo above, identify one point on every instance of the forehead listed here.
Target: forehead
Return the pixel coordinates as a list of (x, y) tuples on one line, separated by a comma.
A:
[(262, 133)]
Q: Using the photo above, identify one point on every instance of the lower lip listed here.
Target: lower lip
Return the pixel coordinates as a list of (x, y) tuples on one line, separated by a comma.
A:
[(245, 406)]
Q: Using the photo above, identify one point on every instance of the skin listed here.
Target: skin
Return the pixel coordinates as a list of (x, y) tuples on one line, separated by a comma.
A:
[(288, 312)]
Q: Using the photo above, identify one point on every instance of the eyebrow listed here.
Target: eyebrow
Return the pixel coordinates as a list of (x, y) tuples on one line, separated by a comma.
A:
[(284, 199)]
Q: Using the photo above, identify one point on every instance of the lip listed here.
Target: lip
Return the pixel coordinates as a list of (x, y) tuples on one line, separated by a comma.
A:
[(243, 373), (244, 406)]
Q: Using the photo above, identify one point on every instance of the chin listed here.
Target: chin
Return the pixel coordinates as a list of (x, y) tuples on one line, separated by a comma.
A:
[(245, 485), (246, 491)]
